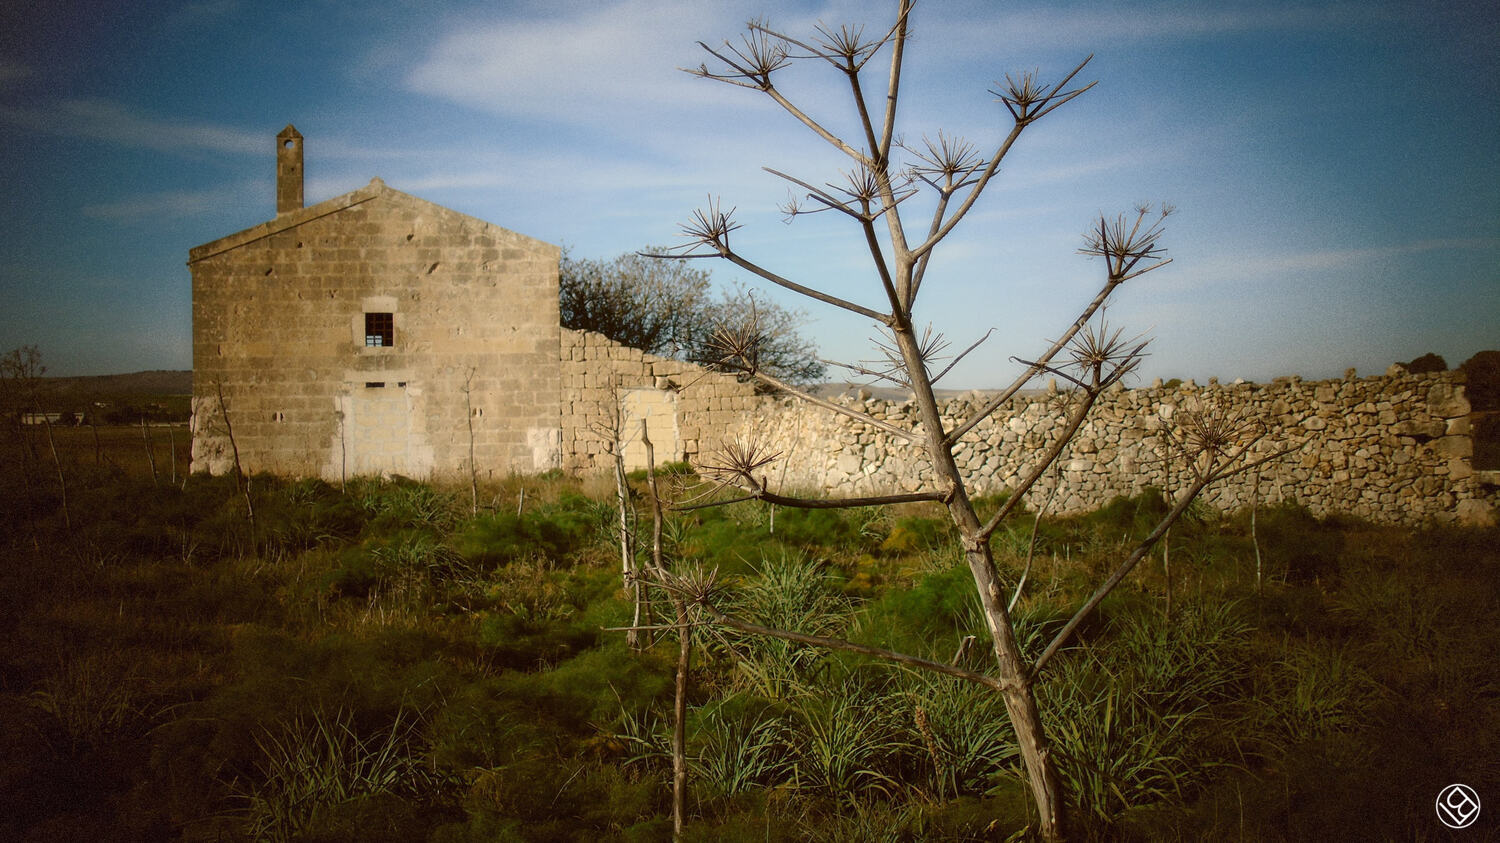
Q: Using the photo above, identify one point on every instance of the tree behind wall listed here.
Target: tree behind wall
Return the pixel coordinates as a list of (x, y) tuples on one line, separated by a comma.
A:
[(876, 197), (672, 309)]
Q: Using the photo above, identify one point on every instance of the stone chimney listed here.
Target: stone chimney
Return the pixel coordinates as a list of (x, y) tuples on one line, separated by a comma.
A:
[(288, 170)]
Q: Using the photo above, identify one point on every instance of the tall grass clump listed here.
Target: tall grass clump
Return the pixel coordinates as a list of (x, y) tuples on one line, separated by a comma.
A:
[(846, 743), (962, 735), (1142, 719), (320, 761), (737, 742), (94, 700), (788, 592), (399, 502)]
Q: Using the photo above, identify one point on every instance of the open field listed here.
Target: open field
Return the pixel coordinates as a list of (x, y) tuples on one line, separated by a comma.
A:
[(379, 663), (121, 447)]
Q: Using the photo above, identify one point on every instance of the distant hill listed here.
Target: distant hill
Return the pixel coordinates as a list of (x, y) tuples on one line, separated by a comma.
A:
[(136, 384), (160, 396)]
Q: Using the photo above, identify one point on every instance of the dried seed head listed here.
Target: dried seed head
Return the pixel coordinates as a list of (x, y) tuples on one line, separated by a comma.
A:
[(1211, 437), (1103, 357), (710, 227), (1125, 242), (737, 460)]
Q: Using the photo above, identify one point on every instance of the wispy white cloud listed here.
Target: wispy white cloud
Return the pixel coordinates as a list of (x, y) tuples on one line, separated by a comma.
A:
[(175, 204), (1092, 27), (1252, 267), (586, 64), (113, 122)]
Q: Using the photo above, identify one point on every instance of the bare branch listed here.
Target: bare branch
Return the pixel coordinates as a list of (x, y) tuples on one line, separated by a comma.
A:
[(807, 291), (1231, 470), (1096, 350), (895, 365), (737, 462), (760, 54), (1026, 376), (978, 187), (1026, 96), (817, 128), (950, 157), (864, 418), (819, 194), (689, 507), (1121, 572), (710, 228), (954, 160), (850, 503), (1036, 526), (897, 36), (920, 271), (1214, 439), (1040, 467), (863, 372), (753, 63), (1213, 435), (1029, 101), (962, 355)]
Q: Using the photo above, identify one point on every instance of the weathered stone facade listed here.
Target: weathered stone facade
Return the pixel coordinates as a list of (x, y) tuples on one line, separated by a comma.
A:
[(371, 333), (1393, 449), (282, 325), (687, 410)]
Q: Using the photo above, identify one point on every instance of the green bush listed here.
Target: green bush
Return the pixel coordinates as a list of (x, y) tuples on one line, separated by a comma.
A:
[(914, 534), (1297, 545), (928, 619), (490, 541)]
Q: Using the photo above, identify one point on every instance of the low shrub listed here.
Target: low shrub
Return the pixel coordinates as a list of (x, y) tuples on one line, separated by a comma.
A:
[(490, 541)]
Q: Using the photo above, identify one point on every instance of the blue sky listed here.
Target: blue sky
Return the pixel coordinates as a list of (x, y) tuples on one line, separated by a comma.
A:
[(1334, 164)]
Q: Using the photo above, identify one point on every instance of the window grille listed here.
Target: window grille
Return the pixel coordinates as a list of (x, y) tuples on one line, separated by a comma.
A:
[(380, 329)]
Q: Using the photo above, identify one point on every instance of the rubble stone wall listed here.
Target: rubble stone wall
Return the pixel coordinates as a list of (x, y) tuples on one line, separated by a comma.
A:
[(1393, 449), (608, 386)]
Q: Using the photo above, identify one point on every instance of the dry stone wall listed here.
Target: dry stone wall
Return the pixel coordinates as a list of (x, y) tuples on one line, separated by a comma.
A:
[(1393, 449), (607, 386)]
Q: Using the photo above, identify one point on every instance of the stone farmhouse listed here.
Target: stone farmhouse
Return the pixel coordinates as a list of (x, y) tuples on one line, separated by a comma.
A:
[(378, 333)]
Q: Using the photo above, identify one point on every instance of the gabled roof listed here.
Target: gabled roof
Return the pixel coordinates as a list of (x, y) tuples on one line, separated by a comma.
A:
[(375, 189)]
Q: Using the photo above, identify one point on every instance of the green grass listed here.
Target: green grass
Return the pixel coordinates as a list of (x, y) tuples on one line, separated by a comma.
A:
[(379, 663)]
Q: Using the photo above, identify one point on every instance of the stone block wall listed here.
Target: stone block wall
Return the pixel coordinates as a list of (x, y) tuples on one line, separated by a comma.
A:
[(278, 324), (1393, 449), (686, 408)]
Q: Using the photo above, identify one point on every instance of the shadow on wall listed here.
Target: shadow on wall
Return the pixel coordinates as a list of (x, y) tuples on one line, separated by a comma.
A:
[(1483, 392)]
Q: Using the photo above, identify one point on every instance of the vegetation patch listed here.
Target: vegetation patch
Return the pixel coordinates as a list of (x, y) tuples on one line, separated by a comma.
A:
[(377, 662)]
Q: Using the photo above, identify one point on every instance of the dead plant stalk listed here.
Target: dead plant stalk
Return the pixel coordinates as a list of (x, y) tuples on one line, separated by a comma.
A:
[(873, 197)]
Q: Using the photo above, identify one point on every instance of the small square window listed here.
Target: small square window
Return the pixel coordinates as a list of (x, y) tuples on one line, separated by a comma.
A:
[(380, 329)]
